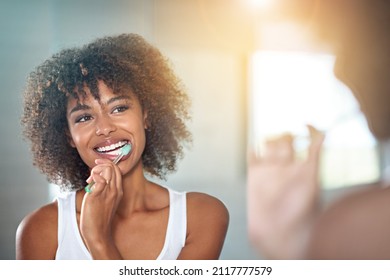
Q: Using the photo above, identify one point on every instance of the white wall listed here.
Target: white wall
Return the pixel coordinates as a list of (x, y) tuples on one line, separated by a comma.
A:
[(24, 42)]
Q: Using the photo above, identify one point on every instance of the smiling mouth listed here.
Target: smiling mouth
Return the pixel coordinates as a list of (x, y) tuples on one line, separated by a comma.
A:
[(112, 149)]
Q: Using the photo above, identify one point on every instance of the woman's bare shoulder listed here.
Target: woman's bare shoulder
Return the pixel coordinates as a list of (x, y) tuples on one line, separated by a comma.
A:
[(200, 204), (36, 236), (354, 227)]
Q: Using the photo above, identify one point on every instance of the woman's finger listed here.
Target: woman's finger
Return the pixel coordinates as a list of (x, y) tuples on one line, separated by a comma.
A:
[(317, 139), (279, 150)]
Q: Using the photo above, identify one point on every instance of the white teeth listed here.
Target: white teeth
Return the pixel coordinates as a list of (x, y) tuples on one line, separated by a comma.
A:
[(113, 153), (111, 147)]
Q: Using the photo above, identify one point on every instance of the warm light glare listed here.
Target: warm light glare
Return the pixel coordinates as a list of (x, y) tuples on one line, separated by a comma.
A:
[(292, 89), (261, 3)]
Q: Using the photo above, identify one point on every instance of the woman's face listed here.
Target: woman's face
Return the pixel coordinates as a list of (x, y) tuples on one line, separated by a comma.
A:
[(364, 68), (359, 32), (99, 128)]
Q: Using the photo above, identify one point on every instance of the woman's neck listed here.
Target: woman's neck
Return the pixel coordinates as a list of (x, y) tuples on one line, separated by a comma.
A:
[(134, 186)]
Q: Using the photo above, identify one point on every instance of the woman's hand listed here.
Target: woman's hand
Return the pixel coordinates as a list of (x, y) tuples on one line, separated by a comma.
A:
[(283, 196), (99, 206)]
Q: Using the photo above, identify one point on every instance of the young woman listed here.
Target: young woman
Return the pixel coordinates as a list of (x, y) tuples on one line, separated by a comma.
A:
[(82, 106)]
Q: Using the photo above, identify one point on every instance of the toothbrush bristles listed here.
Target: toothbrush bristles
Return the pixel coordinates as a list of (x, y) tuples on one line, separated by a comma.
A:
[(123, 152)]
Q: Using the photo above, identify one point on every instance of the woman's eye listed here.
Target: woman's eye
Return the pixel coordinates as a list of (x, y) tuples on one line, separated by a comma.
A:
[(119, 109), (83, 118)]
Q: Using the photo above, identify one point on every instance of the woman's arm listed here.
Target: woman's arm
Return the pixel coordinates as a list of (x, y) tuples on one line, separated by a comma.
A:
[(207, 223), (98, 209), (36, 236)]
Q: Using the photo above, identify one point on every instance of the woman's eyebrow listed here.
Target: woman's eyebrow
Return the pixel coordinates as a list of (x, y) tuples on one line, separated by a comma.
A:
[(119, 97), (79, 107)]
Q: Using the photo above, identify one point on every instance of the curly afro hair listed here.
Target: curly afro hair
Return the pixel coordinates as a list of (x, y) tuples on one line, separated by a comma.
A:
[(122, 62)]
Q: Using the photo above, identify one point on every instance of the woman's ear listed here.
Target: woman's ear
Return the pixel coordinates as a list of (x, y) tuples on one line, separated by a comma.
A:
[(146, 121)]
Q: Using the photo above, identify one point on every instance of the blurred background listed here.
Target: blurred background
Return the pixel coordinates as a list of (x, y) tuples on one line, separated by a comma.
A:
[(251, 67)]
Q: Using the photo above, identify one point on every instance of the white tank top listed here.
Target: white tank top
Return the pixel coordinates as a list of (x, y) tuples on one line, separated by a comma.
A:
[(72, 247)]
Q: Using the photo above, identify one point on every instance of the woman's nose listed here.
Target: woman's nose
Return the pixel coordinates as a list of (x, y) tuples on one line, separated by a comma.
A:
[(104, 126)]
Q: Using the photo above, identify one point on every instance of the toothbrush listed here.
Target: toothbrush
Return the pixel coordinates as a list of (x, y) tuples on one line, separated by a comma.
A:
[(125, 150)]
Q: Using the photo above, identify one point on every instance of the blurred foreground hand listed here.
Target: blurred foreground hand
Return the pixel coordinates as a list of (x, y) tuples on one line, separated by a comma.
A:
[(283, 196)]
